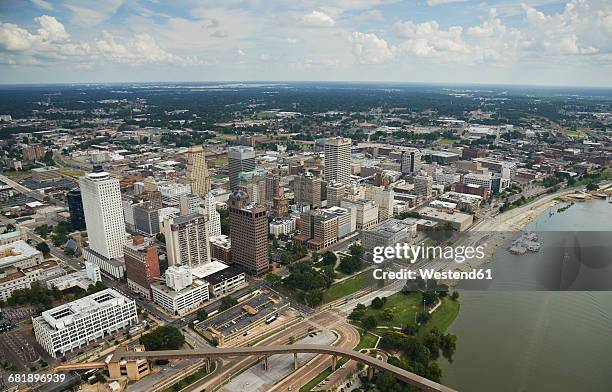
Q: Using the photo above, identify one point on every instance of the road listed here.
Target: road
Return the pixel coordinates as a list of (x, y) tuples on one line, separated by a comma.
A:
[(28, 192), (233, 366)]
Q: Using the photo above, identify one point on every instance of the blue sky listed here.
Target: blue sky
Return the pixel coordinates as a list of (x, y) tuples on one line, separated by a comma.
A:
[(545, 42)]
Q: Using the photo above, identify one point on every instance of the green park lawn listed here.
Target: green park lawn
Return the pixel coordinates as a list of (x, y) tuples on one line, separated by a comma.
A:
[(367, 340), (348, 286)]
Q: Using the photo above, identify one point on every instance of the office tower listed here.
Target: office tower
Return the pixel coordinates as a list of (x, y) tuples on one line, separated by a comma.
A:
[(78, 323), (281, 205), (318, 229), (103, 210), (422, 185), (187, 239), (171, 192), (248, 233), (214, 219), (255, 184), (272, 187), (307, 190), (189, 203), (410, 161), (197, 171), (338, 160), (141, 265), (153, 197), (146, 218), (335, 193), (366, 212), (75, 206), (180, 293), (383, 199), (241, 159)]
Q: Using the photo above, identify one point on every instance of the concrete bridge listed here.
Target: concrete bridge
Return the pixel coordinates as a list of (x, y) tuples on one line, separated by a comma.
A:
[(265, 351)]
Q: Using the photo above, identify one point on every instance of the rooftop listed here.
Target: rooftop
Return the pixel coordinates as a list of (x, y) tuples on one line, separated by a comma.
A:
[(15, 252), (62, 316)]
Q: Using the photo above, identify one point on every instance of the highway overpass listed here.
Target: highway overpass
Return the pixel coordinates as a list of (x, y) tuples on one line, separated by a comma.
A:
[(265, 351)]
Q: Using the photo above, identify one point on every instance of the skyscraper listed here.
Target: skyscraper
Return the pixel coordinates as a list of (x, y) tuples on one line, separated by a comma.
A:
[(241, 159), (248, 233), (103, 210), (410, 161), (75, 206), (338, 160), (197, 171), (187, 239), (307, 190), (214, 219)]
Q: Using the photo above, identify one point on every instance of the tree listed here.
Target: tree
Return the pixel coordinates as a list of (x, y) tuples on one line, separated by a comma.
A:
[(314, 257), (43, 247), (423, 317), (429, 297), (356, 250), (350, 264), (455, 295), (329, 258), (202, 315), (388, 314), (273, 279), (378, 303), (165, 337), (227, 302), (369, 323), (358, 312), (69, 251), (160, 237)]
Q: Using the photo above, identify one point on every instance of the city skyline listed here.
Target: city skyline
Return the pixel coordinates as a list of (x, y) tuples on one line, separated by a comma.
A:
[(536, 42)]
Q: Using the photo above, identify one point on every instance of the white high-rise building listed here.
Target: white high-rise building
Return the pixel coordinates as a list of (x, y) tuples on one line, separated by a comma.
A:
[(103, 214), (187, 239), (189, 203), (214, 219), (338, 160), (197, 171), (383, 199)]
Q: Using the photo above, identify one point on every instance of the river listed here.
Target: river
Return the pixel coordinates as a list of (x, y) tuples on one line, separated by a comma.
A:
[(536, 340)]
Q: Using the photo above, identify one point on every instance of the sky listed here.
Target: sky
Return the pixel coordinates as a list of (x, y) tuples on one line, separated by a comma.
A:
[(533, 42)]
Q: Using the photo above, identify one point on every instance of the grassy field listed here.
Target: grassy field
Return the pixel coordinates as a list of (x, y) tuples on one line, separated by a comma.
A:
[(348, 286), (443, 317), (443, 140), (17, 175), (313, 383), (404, 308), (72, 172), (367, 341)]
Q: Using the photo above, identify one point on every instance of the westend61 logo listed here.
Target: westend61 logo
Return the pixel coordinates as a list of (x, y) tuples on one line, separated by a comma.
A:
[(412, 253)]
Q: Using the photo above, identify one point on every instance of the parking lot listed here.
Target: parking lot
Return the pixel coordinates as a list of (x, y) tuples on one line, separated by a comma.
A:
[(18, 350)]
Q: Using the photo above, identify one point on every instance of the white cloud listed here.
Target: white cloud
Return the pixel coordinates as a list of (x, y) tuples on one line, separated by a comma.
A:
[(433, 3), (43, 4), (52, 43), (317, 19), (370, 49), (428, 40), (88, 13)]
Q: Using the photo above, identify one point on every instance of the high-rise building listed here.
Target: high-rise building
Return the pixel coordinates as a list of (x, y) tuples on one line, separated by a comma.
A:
[(189, 203), (307, 190), (240, 159), (75, 206), (197, 171), (366, 212), (423, 185), (146, 218), (141, 265), (338, 160), (318, 229), (281, 205), (187, 239), (335, 193), (103, 211), (209, 209), (410, 161), (255, 184), (34, 152), (383, 199), (248, 233)]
